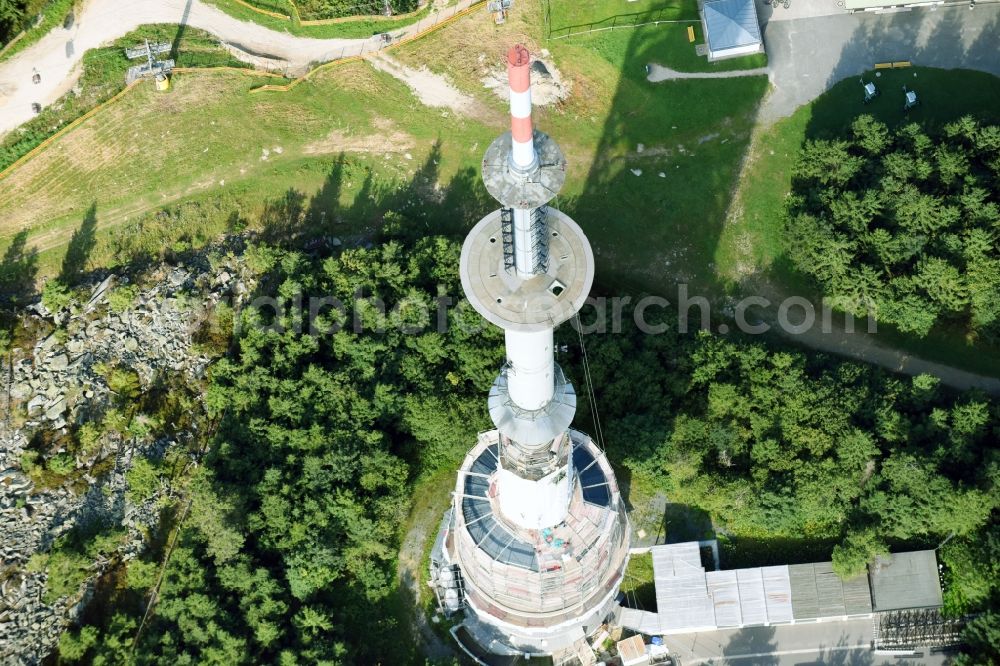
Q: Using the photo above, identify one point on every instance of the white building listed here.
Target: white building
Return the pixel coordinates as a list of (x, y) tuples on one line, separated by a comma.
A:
[(731, 28)]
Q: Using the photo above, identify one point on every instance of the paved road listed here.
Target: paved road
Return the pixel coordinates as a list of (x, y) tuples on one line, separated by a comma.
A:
[(828, 643), (57, 55), (807, 56)]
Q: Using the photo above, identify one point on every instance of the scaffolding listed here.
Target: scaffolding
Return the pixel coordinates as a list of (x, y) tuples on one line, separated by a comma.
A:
[(540, 240), (534, 463), (539, 578)]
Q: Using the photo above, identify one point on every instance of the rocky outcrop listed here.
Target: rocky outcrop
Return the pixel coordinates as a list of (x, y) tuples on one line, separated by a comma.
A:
[(62, 383)]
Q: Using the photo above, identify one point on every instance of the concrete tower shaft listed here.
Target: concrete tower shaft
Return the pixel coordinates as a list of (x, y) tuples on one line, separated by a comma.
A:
[(531, 371), (527, 268), (538, 533)]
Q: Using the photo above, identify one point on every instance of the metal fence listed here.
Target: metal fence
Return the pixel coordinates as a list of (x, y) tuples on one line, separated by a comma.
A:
[(380, 42), (402, 35), (618, 21)]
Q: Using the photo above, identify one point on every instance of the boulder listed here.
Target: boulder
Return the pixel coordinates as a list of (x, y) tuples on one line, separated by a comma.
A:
[(56, 409)]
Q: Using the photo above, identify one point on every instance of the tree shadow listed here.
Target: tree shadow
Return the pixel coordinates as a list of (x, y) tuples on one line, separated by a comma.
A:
[(325, 203), (757, 641), (18, 270), (949, 38), (683, 522), (80, 246), (844, 653), (944, 37), (740, 551), (282, 219)]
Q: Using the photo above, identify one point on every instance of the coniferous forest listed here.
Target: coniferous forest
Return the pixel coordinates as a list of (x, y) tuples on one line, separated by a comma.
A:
[(291, 539), (903, 224)]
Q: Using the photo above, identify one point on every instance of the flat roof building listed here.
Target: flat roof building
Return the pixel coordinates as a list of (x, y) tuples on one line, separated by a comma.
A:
[(903, 581), (691, 599)]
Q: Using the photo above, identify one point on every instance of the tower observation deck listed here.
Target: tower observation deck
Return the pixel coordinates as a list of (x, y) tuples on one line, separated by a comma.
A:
[(537, 539)]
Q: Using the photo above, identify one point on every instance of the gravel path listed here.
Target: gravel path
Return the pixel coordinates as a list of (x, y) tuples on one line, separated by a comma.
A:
[(659, 73), (57, 55), (411, 552), (433, 90)]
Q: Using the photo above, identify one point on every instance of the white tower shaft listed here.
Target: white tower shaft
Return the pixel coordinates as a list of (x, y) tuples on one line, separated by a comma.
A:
[(540, 535), (530, 403), (530, 375), (532, 503)]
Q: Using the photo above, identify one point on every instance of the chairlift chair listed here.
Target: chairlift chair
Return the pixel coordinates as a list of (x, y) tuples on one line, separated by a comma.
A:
[(871, 92), (499, 10)]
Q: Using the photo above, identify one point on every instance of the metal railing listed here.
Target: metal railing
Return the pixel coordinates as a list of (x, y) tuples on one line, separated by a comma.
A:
[(381, 42), (618, 21)]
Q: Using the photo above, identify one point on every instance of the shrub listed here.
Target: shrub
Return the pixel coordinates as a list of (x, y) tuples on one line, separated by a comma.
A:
[(61, 463), (67, 569), (89, 438), (143, 480), (56, 296), (124, 382), (123, 298)]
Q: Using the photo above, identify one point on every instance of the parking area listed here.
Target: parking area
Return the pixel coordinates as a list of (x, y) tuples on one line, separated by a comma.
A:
[(807, 56)]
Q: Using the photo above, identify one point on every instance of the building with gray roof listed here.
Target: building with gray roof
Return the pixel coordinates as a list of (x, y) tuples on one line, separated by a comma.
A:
[(690, 599), (731, 28), (903, 581)]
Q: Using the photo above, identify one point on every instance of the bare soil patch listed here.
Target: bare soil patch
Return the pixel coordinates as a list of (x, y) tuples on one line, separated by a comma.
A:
[(547, 84), (388, 139)]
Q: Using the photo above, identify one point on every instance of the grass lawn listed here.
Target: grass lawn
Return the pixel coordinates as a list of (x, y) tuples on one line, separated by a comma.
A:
[(665, 44), (346, 30), (203, 143), (637, 584), (564, 17), (648, 231), (104, 76), (753, 240), (154, 149)]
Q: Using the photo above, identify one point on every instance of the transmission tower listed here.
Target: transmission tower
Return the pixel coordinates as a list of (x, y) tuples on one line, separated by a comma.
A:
[(153, 67)]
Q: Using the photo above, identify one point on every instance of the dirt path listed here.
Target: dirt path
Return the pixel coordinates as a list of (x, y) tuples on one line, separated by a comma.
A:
[(429, 501), (57, 54), (431, 89), (864, 346)]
